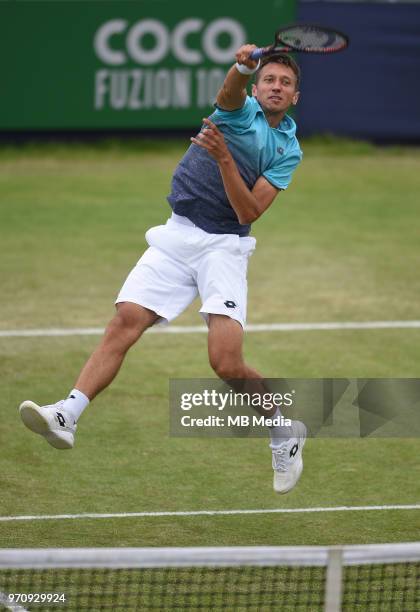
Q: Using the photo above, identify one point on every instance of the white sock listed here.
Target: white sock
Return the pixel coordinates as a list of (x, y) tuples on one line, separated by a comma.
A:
[(75, 403), (279, 433)]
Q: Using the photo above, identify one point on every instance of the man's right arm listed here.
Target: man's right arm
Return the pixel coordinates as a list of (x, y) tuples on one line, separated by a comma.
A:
[(232, 94)]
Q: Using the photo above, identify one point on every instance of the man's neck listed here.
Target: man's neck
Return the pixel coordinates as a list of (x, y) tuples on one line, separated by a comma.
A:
[(274, 119)]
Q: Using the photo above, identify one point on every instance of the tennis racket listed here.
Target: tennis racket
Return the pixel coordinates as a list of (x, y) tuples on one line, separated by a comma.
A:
[(305, 38)]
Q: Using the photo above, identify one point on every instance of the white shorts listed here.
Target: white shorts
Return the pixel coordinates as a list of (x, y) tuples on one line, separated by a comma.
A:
[(184, 261)]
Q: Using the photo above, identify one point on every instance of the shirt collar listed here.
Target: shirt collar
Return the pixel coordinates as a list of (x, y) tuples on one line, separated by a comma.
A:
[(287, 125)]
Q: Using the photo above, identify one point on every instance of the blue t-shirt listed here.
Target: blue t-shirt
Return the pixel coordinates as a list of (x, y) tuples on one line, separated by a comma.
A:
[(258, 150)]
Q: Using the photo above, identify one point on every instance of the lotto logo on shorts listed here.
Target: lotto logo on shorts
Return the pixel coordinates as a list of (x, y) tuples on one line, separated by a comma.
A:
[(230, 304)]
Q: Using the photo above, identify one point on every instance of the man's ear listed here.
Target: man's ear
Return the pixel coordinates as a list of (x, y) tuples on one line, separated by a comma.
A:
[(296, 98), (254, 90)]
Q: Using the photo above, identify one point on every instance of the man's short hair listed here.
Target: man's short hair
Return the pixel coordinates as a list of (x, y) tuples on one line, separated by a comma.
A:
[(280, 58)]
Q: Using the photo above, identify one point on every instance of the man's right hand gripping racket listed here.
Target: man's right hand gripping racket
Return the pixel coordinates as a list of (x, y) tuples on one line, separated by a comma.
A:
[(304, 38)]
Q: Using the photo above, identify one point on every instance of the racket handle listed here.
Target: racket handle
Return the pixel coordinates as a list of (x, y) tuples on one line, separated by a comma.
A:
[(257, 53)]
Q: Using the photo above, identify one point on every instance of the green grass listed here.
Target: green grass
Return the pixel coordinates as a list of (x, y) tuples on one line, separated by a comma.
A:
[(341, 244)]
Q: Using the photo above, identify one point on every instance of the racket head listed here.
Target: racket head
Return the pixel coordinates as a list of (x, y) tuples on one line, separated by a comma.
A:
[(309, 38)]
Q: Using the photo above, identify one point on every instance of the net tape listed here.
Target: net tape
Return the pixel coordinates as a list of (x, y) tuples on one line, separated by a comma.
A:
[(315, 556)]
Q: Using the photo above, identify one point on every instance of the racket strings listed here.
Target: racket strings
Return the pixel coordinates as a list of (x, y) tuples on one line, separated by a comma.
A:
[(311, 39)]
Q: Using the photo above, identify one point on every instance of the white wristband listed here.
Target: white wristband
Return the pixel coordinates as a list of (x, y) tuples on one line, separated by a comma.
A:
[(245, 70)]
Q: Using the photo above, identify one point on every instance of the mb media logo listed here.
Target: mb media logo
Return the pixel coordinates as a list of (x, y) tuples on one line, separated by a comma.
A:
[(230, 304)]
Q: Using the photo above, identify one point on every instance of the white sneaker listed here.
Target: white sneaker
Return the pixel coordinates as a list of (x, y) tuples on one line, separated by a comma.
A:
[(287, 459), (57, 427)]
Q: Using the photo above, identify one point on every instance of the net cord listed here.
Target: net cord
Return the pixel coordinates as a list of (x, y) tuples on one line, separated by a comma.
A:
[(313, 556)]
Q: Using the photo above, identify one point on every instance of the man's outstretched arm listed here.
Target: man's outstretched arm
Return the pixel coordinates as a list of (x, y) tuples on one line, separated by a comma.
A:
[(232, 94)]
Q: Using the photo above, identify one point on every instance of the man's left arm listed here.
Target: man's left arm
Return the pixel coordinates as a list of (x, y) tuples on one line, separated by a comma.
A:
[(248, 204)]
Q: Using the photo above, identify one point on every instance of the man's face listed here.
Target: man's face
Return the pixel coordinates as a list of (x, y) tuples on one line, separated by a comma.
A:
[(276, 88)]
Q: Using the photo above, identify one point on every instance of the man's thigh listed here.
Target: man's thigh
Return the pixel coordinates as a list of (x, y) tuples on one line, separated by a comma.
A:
[(225, 338), (159, 283), (222, 282)]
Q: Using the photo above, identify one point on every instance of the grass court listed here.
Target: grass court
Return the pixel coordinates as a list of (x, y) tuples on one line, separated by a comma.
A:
[(341, 244)]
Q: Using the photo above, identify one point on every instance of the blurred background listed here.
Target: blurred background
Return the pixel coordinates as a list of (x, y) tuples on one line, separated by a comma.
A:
[(127, 66)]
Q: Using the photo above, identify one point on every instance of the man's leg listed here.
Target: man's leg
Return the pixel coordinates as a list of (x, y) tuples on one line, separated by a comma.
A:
[(122, 332), (57, 422), (225, 343)]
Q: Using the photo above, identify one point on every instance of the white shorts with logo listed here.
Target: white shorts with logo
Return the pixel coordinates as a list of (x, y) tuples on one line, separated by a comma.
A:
[(184, 261)]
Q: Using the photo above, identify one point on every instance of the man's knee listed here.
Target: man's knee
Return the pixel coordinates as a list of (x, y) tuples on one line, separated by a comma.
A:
[(227, 367), (128, 324)]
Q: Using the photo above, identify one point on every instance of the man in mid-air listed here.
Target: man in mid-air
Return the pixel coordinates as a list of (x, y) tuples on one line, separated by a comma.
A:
[(243, 156)]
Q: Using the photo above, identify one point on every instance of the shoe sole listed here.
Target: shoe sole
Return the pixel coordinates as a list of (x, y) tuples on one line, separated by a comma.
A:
[(36, 422)]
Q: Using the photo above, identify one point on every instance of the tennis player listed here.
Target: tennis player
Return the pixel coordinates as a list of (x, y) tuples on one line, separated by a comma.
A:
[(244, 155)]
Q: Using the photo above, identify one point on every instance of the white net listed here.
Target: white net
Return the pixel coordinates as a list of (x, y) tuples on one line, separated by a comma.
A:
[(261, 579)]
